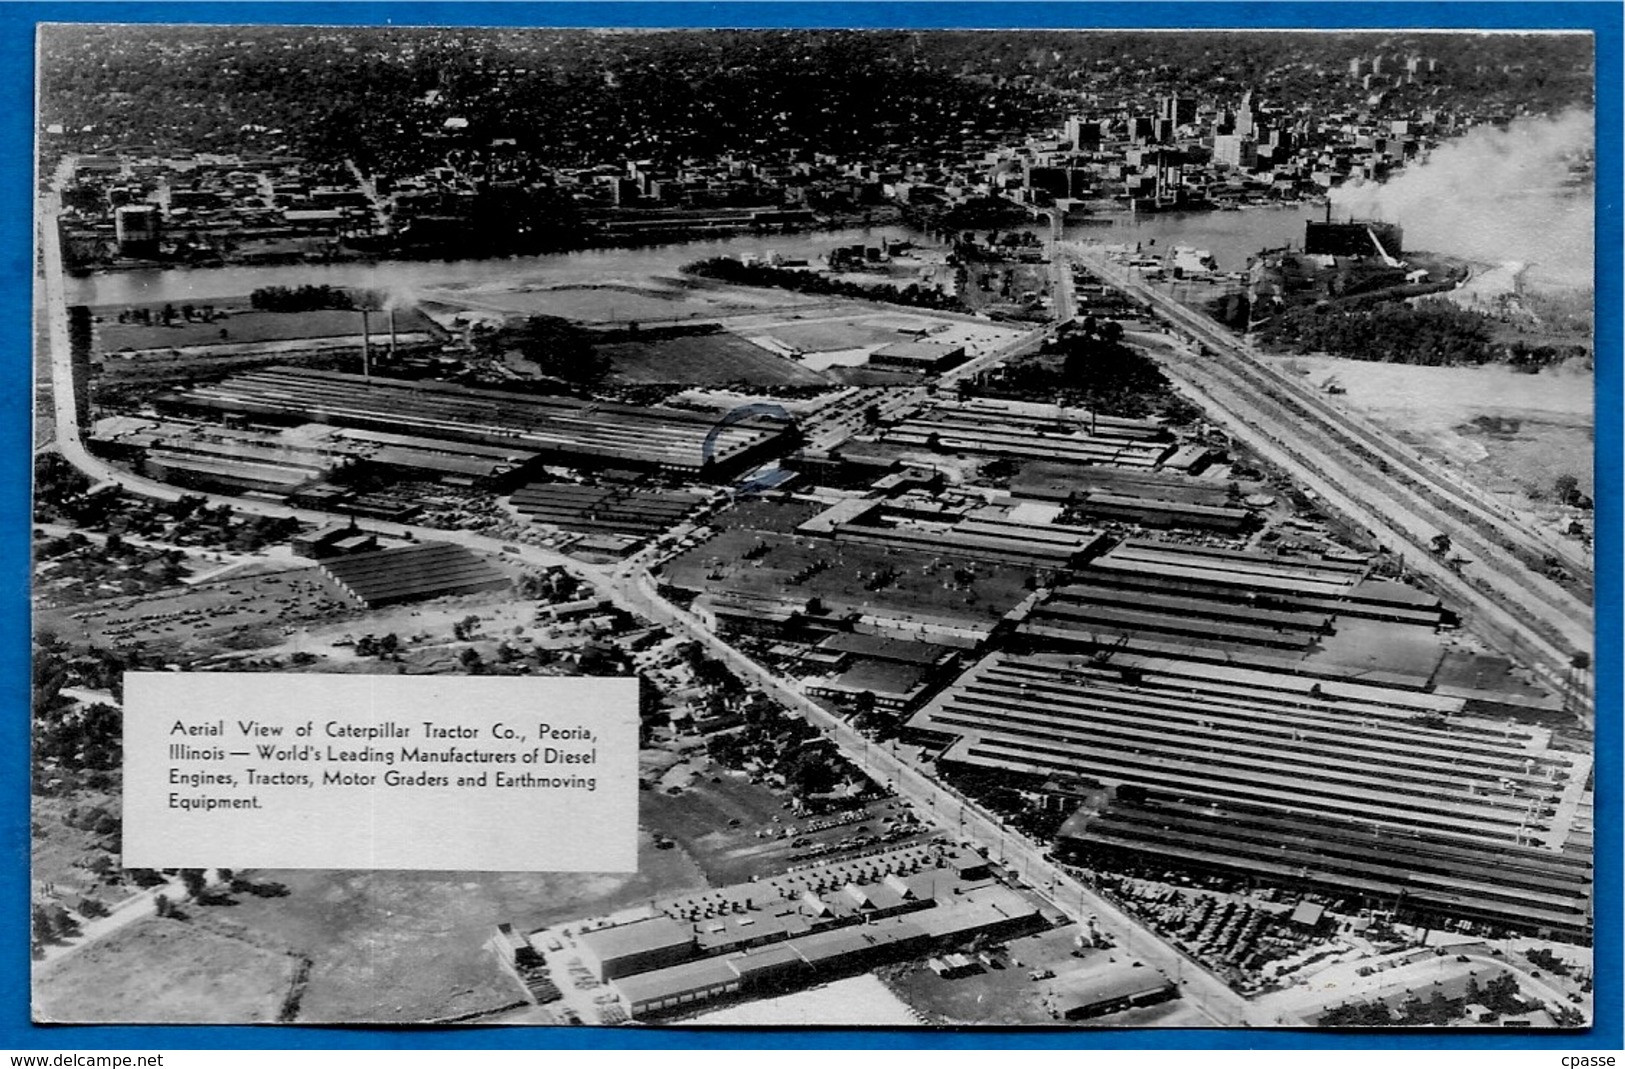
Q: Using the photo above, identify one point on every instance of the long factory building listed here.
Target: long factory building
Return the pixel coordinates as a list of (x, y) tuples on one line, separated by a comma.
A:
[(984, 533), (413, 573), (1035, 432), (1348, 788), (558, 429), (789, 931)]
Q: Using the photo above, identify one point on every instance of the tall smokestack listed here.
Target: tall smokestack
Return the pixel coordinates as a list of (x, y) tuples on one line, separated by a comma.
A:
[(366, 345), (392, 333)]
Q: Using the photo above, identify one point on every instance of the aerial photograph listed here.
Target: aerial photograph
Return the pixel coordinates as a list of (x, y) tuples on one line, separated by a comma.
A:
[(1101, 521)]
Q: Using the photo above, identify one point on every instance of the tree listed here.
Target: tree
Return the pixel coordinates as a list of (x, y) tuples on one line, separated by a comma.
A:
[(863, 704), (194, 881), (470, 659), (810, 773), (162, 906), (64, 923), (1441, 544), (44, 928), (1566, 486)]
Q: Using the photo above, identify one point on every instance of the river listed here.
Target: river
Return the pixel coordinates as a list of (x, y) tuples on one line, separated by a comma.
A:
[(1230, 236), (415, 276)]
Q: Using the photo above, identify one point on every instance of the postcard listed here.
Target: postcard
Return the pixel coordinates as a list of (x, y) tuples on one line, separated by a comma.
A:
[(813, 527)]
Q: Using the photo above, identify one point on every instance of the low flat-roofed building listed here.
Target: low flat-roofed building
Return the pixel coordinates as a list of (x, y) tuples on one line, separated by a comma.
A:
[(515, 948), (993, 910), (895, 686), (1094, 992), (769, 966), (637, 947), (918, 356), (662, 990)]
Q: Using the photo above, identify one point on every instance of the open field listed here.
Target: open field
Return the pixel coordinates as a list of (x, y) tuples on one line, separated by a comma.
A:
[(163, 970), (245, 325), (1508, 431), (704, 360), (645, 301), (409, 946)]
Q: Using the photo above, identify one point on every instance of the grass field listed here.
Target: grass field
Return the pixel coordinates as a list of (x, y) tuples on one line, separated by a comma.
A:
[(245, 325), (161, 970), (655, 300), (720, 359), (409, 946), (848, 332)]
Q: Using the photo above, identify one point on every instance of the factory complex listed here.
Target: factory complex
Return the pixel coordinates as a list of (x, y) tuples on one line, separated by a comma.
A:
[(783, 933), (1351, 789), (559, 429)]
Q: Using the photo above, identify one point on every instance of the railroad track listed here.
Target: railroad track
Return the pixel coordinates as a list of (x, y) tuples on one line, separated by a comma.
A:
[(1534, 617)]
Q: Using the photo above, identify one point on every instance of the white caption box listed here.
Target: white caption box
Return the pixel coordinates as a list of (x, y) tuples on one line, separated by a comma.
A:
[(246, 770)]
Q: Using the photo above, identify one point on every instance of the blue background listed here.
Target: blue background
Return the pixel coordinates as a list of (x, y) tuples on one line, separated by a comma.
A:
[(17, 21)]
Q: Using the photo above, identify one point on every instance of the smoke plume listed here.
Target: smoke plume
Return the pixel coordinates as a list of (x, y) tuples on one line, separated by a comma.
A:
[(1496, 195)]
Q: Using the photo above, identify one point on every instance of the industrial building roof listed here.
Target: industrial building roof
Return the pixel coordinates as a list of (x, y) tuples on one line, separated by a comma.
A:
[(638, 937), (628, 434), (430, 570), (676, 980), (1091, 986), (1261, 773)]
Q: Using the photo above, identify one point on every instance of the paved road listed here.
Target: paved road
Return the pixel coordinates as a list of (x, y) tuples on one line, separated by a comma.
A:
[(630, 587), (92, 931), (1540, 623), (898, 770)]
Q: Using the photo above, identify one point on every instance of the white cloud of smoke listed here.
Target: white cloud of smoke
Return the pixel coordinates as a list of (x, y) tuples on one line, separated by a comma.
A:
[(1495, 195)]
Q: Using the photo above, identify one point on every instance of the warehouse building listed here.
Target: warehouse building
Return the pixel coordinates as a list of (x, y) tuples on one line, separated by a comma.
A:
[(562, 430), (922, 356), (413, 573), (991, 534), (1035, 432), (1093, 992), (641, 946), (1341, 787), (787, 931)]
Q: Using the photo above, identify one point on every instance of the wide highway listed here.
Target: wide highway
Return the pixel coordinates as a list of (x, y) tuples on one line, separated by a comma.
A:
[(1374, 483)]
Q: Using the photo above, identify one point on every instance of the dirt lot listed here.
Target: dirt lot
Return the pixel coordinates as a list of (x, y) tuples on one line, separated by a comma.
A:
[(704, 360), (1508, 431), (161, 970), (244, 325)]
